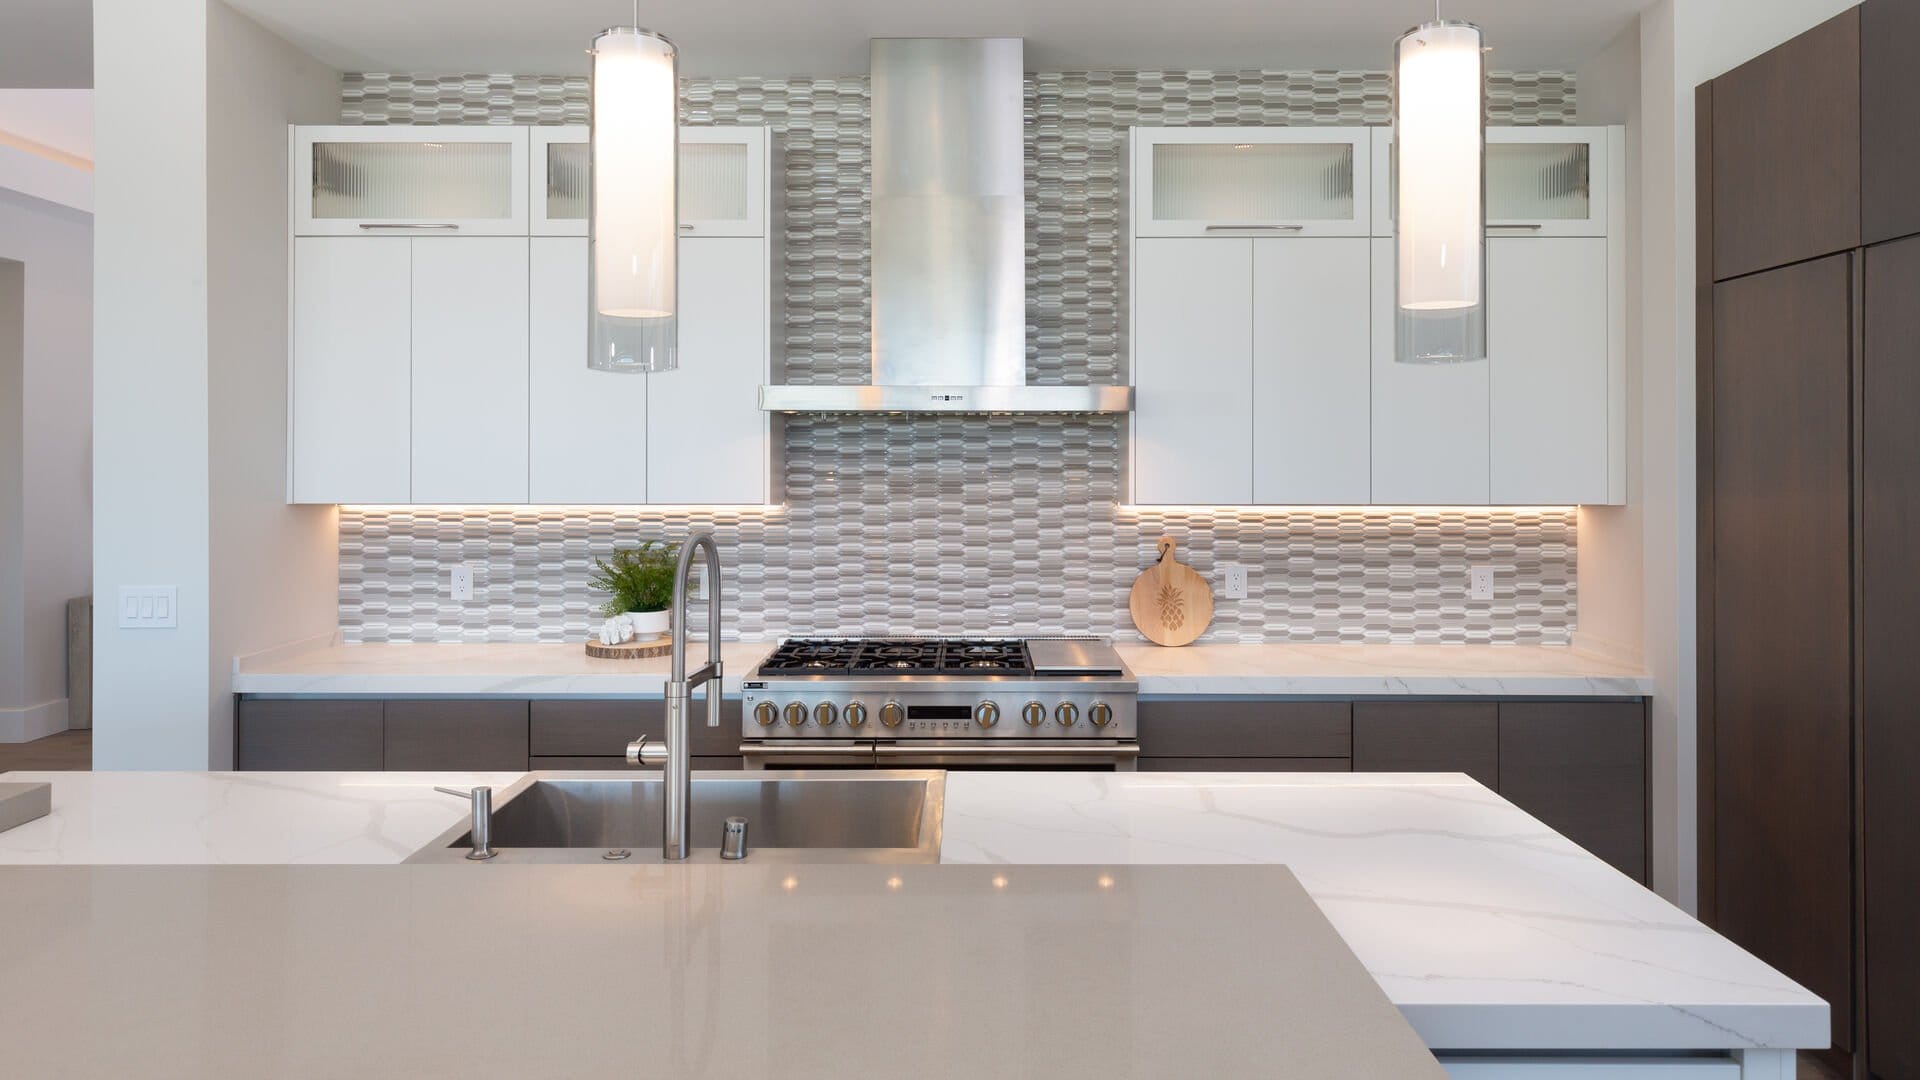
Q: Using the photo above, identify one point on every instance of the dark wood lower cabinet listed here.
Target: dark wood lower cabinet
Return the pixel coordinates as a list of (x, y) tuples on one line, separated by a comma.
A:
[(1428, 736), (1890, 656), (619, 764), (457, 735), (604, 728), (1238, 764), (1581, 768), (1202, 727), (319, 735)]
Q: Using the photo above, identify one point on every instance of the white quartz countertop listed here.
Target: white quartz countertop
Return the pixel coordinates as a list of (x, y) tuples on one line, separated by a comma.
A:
[(754, 970), (510, 670), (1488, 930)]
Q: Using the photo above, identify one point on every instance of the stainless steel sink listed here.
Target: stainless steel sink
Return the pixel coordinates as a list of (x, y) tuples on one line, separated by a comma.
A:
[(807, 816)]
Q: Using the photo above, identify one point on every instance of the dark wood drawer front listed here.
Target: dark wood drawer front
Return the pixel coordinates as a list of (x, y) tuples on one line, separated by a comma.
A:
[(1581, 768), (319, 735), (1232, 729), (619, 764), (604, 728), (1428, 736), (1232, 764), (479, 736)]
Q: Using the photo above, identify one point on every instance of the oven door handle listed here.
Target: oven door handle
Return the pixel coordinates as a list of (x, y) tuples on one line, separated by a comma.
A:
[(1015, 750)]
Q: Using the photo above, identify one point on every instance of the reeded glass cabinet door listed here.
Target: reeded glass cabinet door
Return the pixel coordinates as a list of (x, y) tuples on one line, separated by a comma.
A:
[(1304, 181), (723, 181), (1541, 181), (462, 180)]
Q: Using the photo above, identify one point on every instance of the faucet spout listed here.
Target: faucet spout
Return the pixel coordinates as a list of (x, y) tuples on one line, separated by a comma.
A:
[(677, 773)]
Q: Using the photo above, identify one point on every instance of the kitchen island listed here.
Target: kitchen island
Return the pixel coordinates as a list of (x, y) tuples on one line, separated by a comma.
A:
[(1509, 950)]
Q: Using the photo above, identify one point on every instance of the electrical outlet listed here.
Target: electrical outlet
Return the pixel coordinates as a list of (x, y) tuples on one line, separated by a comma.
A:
[(149, 607), (1233, 581), (462, 581), (1480, 583)]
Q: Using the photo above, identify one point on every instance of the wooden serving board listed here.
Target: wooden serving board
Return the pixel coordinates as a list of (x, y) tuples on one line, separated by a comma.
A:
[(642, 649), (1170, 603)]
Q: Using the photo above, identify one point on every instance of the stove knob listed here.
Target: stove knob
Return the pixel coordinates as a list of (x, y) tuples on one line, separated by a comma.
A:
[(1100, 714), (986, 714), (765, 713), (1068, 714), (856, 714), (891, 714), (796, 714), (825, 714), (1033, 713)]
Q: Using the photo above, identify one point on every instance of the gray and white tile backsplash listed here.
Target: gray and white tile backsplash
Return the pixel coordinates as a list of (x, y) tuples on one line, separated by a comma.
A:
[(946, 524)]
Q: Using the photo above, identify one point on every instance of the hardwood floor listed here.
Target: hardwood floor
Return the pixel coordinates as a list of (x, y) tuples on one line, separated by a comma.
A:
[(1811, 1068), (67, 751)]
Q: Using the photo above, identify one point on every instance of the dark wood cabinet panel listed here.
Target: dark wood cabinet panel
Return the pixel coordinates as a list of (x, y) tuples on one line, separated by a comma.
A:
[(1428, 736), (1890, 609), (480, 736), (604, 728), (1581, 768), (316, 734), (1786, 152), (619, 764), (1781, 623), (1239, 764), (1889, 128), (1199, 728)]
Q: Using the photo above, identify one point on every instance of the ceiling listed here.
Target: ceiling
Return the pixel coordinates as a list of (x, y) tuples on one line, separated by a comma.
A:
[(46, 43), (829, 37)]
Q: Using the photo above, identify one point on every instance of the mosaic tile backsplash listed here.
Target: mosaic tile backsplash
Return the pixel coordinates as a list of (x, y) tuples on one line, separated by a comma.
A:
[(929, 525)]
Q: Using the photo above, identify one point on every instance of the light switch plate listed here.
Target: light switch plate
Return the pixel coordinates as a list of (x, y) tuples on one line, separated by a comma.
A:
[(1480, 583), (462, 582), (149, 607), (1233, 581)]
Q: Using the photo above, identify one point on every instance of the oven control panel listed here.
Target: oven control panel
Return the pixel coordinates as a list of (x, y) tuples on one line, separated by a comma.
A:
[(774, 709)]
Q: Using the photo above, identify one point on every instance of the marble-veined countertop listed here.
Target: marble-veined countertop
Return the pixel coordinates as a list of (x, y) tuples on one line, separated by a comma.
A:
[(1487, 929), (540, 670)]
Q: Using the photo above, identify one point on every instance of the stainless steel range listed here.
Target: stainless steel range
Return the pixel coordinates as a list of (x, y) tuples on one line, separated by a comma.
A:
[(1044, 703)]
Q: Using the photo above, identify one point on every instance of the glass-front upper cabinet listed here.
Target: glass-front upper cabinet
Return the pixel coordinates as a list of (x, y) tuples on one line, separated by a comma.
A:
[(1257, 181), (419, 180), (1541, 181), (724, 187)]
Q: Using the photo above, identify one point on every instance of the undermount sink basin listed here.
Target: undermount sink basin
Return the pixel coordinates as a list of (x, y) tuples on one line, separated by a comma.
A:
[(806, 816)]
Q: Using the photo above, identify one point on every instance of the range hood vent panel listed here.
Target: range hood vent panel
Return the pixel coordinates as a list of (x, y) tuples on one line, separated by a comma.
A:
[(948, 241)]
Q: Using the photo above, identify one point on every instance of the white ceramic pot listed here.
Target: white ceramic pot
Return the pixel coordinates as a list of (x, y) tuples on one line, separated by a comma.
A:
[(648, 624)]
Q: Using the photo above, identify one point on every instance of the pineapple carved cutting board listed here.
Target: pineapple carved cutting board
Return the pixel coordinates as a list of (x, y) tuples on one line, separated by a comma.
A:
[(1171, 604)]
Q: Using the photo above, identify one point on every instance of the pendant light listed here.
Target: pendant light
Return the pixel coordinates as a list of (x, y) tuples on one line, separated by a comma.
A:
[(1439, 174), (633, 225)]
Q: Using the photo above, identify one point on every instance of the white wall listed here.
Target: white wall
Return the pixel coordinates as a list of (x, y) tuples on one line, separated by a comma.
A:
[(1682, 44), (45, 409), (190, 306), (276, 567)]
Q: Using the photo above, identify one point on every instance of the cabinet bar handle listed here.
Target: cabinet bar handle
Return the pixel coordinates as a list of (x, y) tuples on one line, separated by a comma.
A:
[(1235, 228), (686, 228), (1521, 228), (406, 225)]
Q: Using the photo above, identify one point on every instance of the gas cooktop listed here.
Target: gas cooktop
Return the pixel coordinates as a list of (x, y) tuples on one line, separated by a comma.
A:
[(900, 656)]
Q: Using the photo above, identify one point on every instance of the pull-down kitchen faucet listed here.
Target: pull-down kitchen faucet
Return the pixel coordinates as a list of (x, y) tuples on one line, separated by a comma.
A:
[(677, 774)]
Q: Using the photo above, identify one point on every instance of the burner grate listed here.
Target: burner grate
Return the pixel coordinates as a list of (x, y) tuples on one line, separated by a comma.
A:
[(900, 656)]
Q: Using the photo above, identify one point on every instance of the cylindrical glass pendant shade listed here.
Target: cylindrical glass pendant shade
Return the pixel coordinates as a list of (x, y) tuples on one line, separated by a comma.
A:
[(1440, 212), (633, 225)]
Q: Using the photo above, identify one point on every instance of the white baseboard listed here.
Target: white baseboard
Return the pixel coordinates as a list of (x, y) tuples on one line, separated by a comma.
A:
[(33, 722)]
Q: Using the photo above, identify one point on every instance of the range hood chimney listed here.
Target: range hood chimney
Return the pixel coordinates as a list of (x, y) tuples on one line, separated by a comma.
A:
[(949, 241)]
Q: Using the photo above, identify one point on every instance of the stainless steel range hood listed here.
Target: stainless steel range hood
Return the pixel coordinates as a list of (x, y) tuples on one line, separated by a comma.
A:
[(949, 241)]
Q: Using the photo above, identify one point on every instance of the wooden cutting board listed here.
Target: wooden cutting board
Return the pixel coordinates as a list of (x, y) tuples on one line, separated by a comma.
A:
[(1171, 604)]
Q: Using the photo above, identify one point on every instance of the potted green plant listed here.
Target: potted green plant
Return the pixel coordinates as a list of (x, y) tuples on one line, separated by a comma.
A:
[(639, 584)]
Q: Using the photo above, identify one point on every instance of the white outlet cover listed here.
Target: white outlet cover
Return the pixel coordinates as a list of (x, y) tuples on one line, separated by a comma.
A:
[(1480, 583), (1233, 581), (462, 582)]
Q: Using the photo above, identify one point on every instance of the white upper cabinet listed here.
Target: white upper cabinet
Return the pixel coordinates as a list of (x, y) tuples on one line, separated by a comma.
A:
[(1311, 377), (1430, 425), (707, 437), (725, 187), (350, 427), (469, 345), (1547, 359), (1541, 181), (1193, 371), (1275, 181), (465, 181), (587, 430)]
